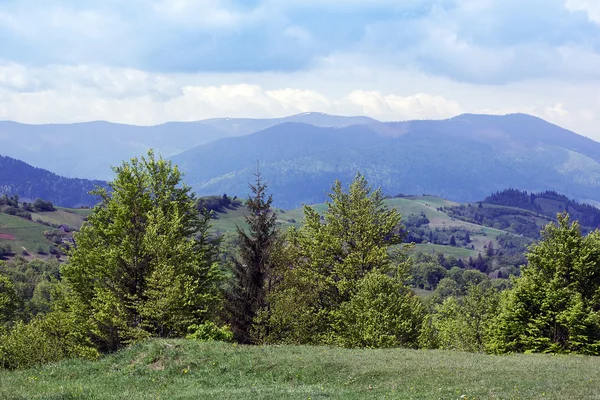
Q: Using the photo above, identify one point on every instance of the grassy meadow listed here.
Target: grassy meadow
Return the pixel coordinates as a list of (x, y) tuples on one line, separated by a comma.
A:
[(181, 369), (28, 235), (226, 222)]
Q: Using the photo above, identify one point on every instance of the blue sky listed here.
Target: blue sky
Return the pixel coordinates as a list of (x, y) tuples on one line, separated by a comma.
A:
[(150, 61)]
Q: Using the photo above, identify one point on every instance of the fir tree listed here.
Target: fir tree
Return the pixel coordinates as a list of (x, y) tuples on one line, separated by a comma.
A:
[(252, 277)]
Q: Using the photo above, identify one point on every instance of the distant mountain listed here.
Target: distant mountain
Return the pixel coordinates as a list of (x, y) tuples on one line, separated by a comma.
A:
[(245, 126), (464, 158), (89, 149), (17, 177)]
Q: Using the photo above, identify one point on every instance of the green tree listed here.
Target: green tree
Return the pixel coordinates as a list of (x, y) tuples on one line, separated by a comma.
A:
[(253, 270), (383, 313), (9, 301), (465, 323), (554, 306), (325, 260), (143, 263), (426, 275)]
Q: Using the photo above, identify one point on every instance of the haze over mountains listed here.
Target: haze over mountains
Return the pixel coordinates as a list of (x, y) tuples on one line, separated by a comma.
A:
[(89, 149), (464, 158)]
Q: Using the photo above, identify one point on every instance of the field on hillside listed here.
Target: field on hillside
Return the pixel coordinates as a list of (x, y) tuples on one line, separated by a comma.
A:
[(28, 235), (61, 216), (23, 234), (480, 236), (180, 369), (458, 252)]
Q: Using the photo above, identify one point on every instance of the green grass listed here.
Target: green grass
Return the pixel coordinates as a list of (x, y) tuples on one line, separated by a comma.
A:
[(60, 217), (28, 234), (179, 369), (81, 211), (226, 222), (458, 252)]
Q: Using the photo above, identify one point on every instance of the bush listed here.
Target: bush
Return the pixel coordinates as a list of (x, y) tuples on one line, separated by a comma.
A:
[(43, 205), (46, 339), (463, 323), (8, 300), (210, 331), (383, 313)]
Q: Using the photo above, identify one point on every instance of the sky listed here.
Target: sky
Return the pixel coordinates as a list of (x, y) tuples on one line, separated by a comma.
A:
[(146, 62)]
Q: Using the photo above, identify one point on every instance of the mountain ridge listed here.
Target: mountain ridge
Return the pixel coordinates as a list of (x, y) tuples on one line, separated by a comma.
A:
[(450, 158), (28, 182)]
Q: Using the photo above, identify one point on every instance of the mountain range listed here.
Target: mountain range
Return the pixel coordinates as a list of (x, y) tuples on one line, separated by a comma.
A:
[(30, 183), (462, 158), (89, 149)]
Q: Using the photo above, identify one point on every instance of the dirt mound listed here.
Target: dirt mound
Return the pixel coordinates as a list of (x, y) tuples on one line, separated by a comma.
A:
[(7, 236)]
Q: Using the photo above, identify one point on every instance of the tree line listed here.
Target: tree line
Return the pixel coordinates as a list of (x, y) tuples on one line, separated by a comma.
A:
[(144, 265)]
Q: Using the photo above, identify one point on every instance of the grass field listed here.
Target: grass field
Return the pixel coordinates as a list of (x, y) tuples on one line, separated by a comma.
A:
[(179, 369), (480, 236), (27, 234), (60, 217), (458, 252)]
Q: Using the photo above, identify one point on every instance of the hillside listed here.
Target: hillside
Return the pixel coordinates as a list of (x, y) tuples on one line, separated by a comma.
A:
[(464, 159), (524, 213), (89, 149), (184, 369), (432, 235), (43, 235), (19, 178)]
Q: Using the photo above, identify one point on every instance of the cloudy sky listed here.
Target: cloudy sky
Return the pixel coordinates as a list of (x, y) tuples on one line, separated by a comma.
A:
[(150, 61)]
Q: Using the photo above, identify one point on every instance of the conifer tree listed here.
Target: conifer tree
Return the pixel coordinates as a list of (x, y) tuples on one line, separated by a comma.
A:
[(252, 270), (143, 264), (554, 305), (336, 271)]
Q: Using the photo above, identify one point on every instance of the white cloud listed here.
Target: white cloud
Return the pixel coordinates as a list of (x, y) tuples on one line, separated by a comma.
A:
[(394, 107), (202, 15), (591, 7)]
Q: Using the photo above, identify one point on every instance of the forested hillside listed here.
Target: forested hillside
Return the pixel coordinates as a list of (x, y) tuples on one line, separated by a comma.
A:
[(524, 213), (27, 182), (464, 159)]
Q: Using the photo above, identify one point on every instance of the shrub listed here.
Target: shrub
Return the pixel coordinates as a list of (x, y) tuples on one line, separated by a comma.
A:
[(210, 331), (46, 339), (463, 323), (383, 313)]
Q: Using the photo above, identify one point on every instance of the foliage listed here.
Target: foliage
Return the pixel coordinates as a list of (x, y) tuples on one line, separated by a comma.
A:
[(217, 204), (210, 331), (426, 275), (554, 305), (325, 260), (252, 272), (144, 263), (45, 339), (8, 300), (40, 205), (33, 281), (383, 313), (464, 322)]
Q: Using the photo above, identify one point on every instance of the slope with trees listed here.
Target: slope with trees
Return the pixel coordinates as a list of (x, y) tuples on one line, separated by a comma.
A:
[(27, 182)]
